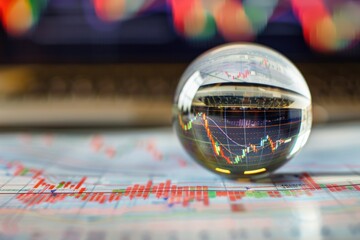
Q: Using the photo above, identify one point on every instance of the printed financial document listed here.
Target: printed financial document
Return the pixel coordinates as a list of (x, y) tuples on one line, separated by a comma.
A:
[(142, 185)]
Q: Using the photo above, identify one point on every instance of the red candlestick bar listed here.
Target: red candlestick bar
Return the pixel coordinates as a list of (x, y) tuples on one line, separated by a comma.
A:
[(147, 189), (41, 181), (80, 183)]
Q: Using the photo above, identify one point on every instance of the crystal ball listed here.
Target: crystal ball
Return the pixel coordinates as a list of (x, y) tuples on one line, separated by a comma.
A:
[(242, 110)]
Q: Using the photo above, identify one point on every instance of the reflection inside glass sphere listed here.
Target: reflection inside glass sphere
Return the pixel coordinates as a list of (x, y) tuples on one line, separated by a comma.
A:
[(242, 110)]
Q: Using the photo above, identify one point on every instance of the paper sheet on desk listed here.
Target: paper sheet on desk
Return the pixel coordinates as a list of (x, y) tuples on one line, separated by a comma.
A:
[(131, 185)]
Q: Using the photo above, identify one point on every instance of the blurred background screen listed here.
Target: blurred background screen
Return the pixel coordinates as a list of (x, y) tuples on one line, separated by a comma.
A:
[(117, 62)]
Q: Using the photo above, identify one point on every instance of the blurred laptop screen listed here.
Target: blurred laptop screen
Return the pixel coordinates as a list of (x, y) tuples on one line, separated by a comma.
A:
[(173, 30)]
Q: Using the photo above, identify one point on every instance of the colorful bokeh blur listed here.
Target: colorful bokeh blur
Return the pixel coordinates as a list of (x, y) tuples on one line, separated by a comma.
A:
[(115, 10), (328, 30), (326, 25), (235, 20), (19, 16)]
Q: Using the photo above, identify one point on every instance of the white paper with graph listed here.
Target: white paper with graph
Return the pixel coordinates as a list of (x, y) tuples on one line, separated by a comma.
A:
[(131, 185)]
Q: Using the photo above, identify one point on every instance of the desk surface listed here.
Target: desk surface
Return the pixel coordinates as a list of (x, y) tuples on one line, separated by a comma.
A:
[(141, 184)]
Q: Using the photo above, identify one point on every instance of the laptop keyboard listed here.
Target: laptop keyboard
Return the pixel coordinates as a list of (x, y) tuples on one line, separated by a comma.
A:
[(78, 94), (100, 81)]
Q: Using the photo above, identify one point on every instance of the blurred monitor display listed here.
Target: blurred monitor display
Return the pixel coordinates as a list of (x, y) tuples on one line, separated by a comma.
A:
[(43, 31)]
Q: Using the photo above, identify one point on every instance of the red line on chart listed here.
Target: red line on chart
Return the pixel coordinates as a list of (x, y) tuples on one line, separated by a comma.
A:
[(218, 148), (243, 75)]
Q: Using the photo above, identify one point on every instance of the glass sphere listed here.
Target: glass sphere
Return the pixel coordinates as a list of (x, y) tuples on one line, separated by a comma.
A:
[(242, 110)]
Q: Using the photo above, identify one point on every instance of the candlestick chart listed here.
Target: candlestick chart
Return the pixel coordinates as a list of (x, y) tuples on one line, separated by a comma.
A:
[(240, 134), (218, 149), (131, 185)]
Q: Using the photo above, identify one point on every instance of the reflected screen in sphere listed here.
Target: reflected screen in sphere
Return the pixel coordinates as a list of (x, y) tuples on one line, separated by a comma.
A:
[(242, 110)]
